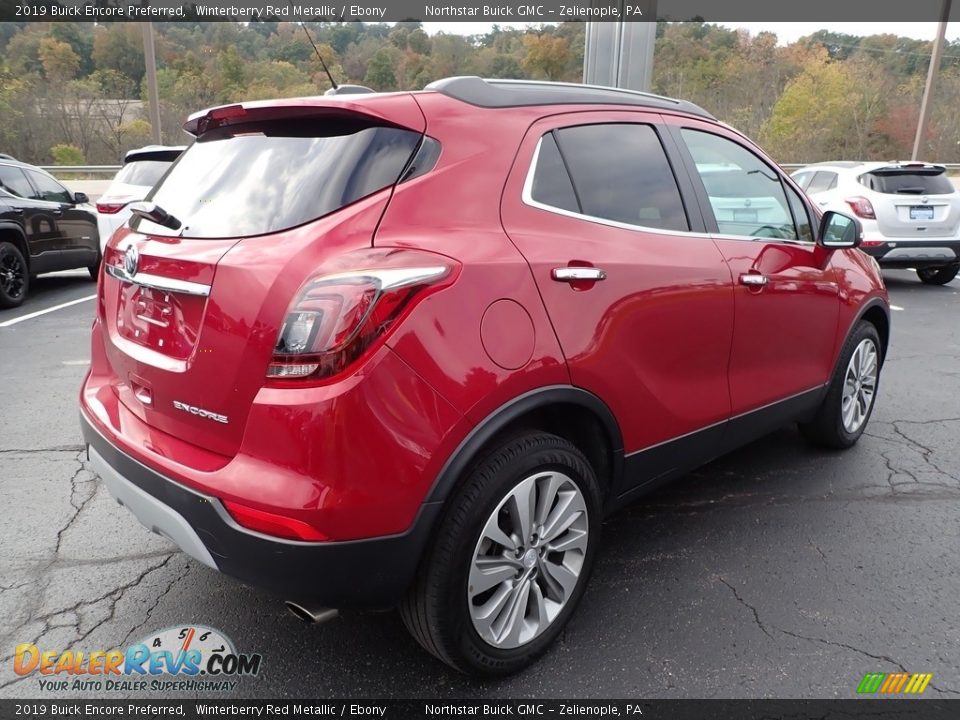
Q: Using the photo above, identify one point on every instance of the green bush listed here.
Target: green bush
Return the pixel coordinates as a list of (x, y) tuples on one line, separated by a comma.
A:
[(67, 155)]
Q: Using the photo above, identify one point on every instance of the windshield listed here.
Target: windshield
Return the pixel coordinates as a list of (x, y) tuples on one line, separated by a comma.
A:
[(250, 180)]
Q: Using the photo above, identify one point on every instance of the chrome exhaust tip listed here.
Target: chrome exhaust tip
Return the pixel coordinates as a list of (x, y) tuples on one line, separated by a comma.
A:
[(310, 614)]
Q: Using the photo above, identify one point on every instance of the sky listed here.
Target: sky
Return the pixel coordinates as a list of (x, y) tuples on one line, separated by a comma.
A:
[(786, 32)]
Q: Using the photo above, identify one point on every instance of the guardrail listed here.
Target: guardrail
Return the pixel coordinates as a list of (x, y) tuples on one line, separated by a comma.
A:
[(82, 169)]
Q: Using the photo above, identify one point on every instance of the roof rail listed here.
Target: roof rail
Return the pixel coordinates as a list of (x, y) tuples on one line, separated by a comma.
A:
[(497, 93)]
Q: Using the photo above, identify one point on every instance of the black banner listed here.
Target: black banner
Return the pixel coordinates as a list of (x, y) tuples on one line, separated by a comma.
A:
[(534, 12), (932, 709)]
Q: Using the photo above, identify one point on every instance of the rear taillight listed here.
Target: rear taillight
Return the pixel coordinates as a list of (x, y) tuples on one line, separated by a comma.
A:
[(861, 207), (336, 318), (111, 206), (272, 524)]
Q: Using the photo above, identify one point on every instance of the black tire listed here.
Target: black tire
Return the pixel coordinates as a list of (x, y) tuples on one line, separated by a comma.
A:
[(14, 276), (827, 426), (94, 269), (938, 276), (436, 611)]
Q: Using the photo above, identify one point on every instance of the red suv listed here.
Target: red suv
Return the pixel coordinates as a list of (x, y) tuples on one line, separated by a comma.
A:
[(410, 349)]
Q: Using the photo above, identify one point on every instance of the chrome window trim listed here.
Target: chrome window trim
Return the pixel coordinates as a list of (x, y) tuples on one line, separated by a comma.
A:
[(157, 282), (527, 197)]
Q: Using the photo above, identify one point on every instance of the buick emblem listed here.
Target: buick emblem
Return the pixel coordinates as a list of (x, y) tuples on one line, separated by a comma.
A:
[(924, 199), (131, 260)]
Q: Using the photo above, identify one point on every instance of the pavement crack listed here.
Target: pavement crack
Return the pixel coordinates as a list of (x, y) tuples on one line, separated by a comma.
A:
[(77, 501), (35, 451), (751, 608), (157, 601)]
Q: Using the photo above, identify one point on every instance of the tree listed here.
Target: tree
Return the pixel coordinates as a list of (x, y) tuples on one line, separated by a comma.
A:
[(60, 62), (380, 71), (547, 56)]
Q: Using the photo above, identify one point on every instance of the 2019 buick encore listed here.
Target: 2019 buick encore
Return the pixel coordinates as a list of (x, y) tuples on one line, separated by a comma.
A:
[(409, 349)]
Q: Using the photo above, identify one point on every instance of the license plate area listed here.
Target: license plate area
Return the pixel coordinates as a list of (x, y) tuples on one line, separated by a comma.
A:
[(162, 321), (744, 216), (921, 212)]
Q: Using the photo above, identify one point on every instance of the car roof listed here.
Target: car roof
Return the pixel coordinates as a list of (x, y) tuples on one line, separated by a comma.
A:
[(499, 93)]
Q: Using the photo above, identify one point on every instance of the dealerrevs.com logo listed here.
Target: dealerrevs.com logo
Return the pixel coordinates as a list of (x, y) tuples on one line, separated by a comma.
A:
[(179, 659), (894, 683)]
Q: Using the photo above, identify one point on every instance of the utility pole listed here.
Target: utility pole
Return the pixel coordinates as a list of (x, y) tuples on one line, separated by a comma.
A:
[(934, 69), (153, 93)]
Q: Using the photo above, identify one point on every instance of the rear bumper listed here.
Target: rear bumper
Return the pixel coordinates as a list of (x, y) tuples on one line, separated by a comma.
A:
[(913, 252), (372, 573)]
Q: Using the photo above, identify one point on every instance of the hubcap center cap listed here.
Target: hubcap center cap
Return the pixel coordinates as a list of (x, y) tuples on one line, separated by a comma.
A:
[(529, 558)]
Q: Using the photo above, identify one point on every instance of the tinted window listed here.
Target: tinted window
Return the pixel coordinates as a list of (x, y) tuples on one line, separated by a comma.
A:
[(551, 183), (759, 208), (15, 182), (50, 189), (620, 172), (143, 172), (899, 182), (822, 181), (249, 180)]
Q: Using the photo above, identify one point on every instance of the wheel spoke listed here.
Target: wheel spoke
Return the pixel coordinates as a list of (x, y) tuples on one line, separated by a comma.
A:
[(521, 507), (487, 614), (559, 579), (547, 488), (508, 626), (573, 540), (488, 572), (494, 532), (565, 514)]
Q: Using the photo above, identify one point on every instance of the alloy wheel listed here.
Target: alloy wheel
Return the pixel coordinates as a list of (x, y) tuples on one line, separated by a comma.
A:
[(528, 560), (859, 385), (12, 275)]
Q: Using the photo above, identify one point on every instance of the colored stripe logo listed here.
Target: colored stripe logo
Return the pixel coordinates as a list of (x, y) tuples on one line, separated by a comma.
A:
[(894, 683)]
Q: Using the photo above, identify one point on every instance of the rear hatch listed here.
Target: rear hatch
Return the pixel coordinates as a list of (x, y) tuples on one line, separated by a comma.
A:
[(913, 200), (142, 169), (267, 194)]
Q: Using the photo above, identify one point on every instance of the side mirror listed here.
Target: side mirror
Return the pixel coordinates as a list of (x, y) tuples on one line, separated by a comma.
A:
[(838, 231), (79, 198)]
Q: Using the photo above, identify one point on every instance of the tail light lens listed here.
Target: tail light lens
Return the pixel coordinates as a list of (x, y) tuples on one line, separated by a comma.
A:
[(111, 206), (861, 207), (336, 318)]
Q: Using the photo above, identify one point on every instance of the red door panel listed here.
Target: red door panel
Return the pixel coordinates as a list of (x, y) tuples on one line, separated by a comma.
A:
[(652, 339)]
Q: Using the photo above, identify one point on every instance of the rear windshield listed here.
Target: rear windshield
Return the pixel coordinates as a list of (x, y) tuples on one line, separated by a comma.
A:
[(143, 172), (255, 179), (907, 182)]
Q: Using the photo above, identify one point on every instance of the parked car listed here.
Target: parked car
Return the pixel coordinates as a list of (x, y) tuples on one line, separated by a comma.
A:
[(43, 228), (410, 349), (141, 170), (910, 212)]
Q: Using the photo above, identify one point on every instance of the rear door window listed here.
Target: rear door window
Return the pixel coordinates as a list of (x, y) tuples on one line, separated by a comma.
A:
[(620, 172), (15, 182), (907, 182), (248, 180), (551, 183)]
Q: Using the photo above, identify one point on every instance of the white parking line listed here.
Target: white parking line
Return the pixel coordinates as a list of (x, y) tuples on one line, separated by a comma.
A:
[(896, 307), (75, 362), (38, 313)]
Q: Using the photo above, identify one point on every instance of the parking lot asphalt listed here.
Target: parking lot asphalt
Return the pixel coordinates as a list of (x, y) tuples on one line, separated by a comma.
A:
[(777, 571)]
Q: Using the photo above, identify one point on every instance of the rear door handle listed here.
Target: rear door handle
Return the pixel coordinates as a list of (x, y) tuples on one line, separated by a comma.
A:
[(578, 274), (753, 280)]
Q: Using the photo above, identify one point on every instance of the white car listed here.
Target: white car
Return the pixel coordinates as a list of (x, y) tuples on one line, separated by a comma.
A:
[(910, 211), (141, 170)]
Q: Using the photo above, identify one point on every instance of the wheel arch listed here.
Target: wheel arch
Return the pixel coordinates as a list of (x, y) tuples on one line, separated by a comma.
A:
[(11, 232), (877, 313), (569, 412)]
